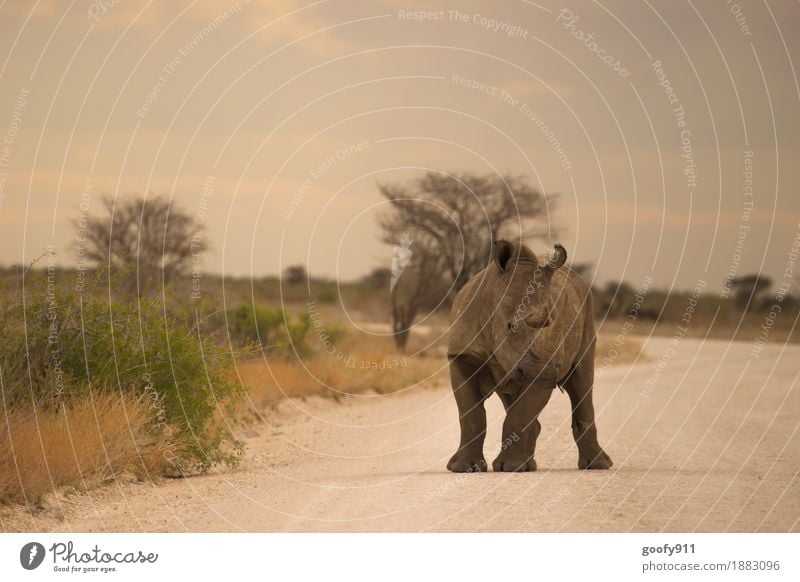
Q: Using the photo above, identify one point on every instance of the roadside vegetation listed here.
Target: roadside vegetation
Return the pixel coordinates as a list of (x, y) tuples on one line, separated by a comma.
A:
[(157, 382), (137, 365), (95, 386)]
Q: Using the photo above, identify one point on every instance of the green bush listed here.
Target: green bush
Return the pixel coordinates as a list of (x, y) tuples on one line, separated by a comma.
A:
[(271, 330), (59, 344)]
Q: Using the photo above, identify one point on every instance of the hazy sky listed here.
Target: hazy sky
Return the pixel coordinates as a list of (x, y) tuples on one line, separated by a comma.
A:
[(645, 117)]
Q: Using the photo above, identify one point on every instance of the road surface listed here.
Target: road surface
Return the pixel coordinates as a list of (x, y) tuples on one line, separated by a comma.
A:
[(704, 438)]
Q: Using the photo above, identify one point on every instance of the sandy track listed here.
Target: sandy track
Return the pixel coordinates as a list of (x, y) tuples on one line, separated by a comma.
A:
[(714, 447)]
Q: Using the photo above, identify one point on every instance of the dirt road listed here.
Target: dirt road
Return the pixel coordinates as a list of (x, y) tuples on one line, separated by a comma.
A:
[(712, 445)]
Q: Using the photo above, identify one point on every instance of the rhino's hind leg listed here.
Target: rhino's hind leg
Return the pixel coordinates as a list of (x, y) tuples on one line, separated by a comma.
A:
[(578, 386), (464, 376), (520, 430)]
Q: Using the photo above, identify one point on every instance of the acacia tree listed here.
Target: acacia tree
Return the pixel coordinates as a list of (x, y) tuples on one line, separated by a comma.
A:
[(141, 239), (295, 274), (616, 299), (453, 221), (748, 289)]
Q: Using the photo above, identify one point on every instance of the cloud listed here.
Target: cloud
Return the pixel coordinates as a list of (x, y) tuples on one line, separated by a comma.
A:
[(285, 21)]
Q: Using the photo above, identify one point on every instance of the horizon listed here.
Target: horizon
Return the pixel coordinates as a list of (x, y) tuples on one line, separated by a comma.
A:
[(650, 286), (274, 122)]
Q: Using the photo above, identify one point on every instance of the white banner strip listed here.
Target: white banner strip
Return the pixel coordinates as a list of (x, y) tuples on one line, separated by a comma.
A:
[(401, 557)]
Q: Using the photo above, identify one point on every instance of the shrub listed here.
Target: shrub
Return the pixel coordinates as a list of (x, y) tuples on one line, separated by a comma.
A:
[(270, 330), (61, 346)]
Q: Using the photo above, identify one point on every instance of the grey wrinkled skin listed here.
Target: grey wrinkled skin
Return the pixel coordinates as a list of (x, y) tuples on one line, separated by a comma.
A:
[(520, 328)]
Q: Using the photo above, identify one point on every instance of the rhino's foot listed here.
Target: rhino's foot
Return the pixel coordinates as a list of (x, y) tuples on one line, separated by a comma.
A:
[(597, 460), (466, 462), (508, 464)]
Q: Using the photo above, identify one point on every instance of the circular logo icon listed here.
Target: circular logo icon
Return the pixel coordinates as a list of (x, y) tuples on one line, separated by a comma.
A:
[(31, 555)]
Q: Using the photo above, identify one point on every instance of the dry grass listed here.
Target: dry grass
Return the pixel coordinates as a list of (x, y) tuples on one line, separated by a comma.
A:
[(615, 350), (84, 443), (360, 363), (269, 383)]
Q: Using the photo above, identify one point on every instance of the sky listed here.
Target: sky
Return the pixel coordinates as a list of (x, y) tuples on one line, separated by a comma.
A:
[(669, 131)]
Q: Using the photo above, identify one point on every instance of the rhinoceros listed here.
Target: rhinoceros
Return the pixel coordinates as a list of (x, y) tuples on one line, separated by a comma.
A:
[(520, 328)]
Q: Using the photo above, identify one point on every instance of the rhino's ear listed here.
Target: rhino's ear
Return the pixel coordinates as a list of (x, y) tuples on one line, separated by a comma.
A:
[(558, 258), (501, 253)]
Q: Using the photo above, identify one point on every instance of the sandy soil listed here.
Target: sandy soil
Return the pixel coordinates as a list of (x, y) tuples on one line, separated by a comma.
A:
[(714, 446)]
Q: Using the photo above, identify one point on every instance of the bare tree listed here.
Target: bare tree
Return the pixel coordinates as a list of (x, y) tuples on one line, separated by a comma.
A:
[(142, 239), (453, 221), (457, 218)]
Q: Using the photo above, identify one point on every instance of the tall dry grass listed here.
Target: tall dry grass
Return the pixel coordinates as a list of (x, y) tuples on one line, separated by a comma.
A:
[(268, 383), (613, 350), (83, 443), (359, 363)]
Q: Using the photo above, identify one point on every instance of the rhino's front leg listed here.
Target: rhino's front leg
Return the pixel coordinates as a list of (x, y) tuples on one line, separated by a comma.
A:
[(520, 430), (579, 387), (471, 415)]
